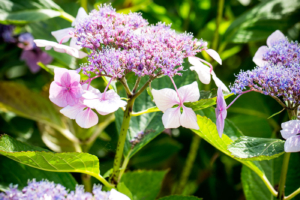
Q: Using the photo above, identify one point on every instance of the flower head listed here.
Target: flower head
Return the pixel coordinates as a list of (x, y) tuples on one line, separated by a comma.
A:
[(290, 131), (221, 112), (48, 190), (66, 88), (166, 98), (25, 41)]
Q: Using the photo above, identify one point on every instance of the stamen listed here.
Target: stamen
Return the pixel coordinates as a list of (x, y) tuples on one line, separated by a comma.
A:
[(211, 67), (103, 96)]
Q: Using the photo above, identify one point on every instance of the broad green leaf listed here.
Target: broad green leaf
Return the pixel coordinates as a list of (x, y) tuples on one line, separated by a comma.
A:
[(178, 197), (22, 12), (251, 148), (208, 131), (15, 173), (255, 189), (123, 189), (263, 19), (20, 100), (45, 160), (144, 184)]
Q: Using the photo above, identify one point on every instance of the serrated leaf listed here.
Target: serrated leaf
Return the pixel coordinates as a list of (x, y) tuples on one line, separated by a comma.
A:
[(22, 12), (149, 183), (178, 197), (263, 19), (20, 100), (15, 173), (45, 160), (252, 148), (208, 131)]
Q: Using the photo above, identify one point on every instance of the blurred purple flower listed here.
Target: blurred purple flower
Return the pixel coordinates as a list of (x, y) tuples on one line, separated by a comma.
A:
[(31, 57), (221, 112), (6, 32), (290, 131), (26, 41)]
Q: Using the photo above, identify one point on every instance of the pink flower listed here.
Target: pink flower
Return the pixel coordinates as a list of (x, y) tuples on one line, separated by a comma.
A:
[(104, 103), (64, 35), (205, 73), (290, 131), (221, 112), (258, 57), (166, 98), (65, 89)]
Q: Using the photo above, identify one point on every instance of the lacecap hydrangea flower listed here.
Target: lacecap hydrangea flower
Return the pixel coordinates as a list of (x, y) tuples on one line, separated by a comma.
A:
[(290, 131), (45, 190)]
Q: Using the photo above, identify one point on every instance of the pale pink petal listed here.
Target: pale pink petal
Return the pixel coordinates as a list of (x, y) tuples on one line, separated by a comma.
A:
[(202, 70), (55, 96), (86, 118), (81, 14), (171, 118), (45, 43), (292, 144), (62, 34), (74, 44), (72, 111), (90, 89), (219, 83), (59, 72), (214, 55), (258, 57), (188, 118), (115, 195), (189, 93), (274, 37), (165, 98), (290, 128)]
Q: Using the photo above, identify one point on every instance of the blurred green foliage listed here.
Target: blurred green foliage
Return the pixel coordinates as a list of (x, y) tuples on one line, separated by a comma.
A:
[(244, 27)]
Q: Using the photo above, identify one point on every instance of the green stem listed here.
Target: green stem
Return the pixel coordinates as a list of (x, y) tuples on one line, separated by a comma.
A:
[(218, 21), (188, 164), (86, 181), (102, 180), (84, 4), (149, 110), (268, 184), (67, 16), (293, 194), (122, 139), (124, 166), (282, 180)]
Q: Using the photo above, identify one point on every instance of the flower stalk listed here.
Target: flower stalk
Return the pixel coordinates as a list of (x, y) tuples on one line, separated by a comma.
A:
[(282, 180)]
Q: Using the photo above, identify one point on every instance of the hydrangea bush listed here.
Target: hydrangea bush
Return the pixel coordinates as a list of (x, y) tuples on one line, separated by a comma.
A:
[(143, 67)]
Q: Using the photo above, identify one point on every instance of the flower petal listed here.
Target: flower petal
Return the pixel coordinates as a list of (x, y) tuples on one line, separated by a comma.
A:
[(81, 14), (62, 33), (188, 118), (86, 118), (59, 74), (171, 118), (292, 144), (189, 93), (72, 111), (165, 98), (275, 36), (258, 57), (56, 95), (221, 112), (290, 128), (202, 70), (214, 55), (219, 83), (115, 195), (74, 44)]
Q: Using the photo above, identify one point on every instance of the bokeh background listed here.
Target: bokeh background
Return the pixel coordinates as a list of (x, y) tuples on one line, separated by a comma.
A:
[(234, 28)]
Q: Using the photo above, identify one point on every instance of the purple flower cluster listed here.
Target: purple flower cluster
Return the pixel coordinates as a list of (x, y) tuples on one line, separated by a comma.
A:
[(126, 43), (278, 71), (48, 191)]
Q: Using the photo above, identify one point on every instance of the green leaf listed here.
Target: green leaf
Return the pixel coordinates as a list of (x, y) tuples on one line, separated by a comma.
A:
[(16, 173), (123, 189), (251, 148), (178, 197), (20, 100), (22, 12), (144, 184), (208, 131), (45, 160), (259, 22), (255, 189)]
